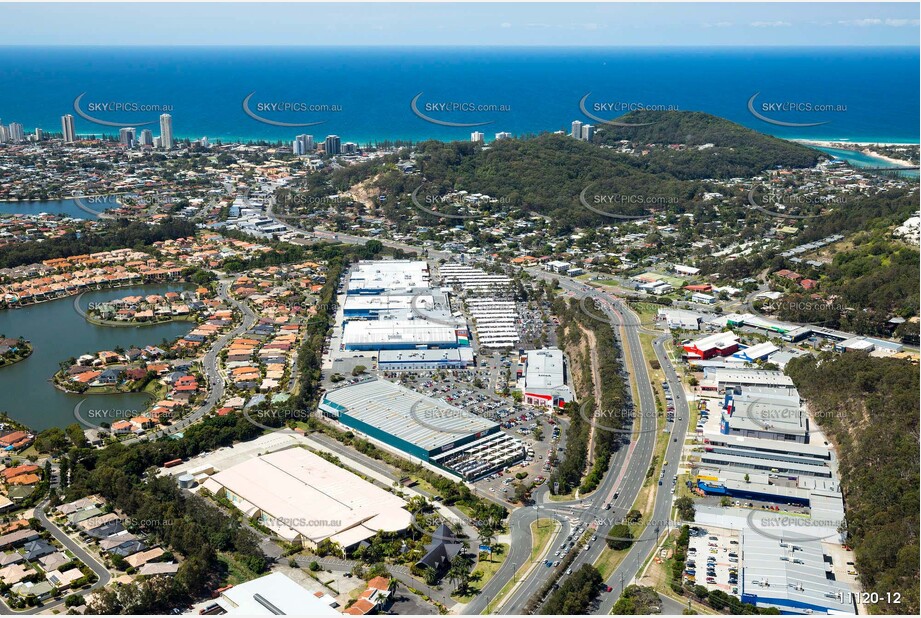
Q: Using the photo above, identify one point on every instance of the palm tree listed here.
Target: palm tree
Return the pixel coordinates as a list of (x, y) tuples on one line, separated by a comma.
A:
[(487, 535), (458, 573)]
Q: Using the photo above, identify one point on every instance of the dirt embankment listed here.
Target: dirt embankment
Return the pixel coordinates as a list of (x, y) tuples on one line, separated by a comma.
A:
[(585, 375)]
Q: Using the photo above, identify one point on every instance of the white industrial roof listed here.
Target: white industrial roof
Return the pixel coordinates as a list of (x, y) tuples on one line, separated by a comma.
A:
[(423, 421), (273, 595), (753, 377), (795, 575), (716, 340), (757, 351), (389, 275), (417, 356), (545, 368), (307, 495), (413, 332)]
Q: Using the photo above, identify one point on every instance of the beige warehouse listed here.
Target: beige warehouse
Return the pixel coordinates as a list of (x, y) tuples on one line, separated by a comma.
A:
[(305, 499)]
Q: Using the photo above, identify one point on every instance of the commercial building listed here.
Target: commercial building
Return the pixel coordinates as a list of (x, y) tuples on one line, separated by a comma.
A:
[(423, 360), (796, 577), (753, 354), (305, 499), (679, 319), (390, 306), (764, 413), (720, 379), (401, 306), (401, 335), (705, 299), (545, 382), (428, 430), (380, 276), (273, 595), (477, 136), (717, 344)]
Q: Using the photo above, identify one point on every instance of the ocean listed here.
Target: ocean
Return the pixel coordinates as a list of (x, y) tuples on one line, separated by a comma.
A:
[(365, 94)]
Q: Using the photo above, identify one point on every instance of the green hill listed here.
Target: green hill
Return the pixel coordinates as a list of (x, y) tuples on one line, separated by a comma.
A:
[(546, 174), (714, 147)]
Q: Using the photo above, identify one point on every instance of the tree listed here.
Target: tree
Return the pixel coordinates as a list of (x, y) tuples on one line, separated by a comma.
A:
[(685, 507), (52, 440), (459, 573), (620, 537), (522, 493), (358, 370), (76, 435), (486, 535)]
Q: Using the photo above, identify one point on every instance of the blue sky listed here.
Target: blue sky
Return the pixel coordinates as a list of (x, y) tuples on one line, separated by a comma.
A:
[(393, 24)]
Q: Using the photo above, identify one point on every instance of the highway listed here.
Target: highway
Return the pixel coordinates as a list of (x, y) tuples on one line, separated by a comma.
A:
[(626, 473), (625, 476)]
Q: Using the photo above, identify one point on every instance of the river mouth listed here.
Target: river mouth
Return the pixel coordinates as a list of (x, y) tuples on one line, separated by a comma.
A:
[(57, 332)]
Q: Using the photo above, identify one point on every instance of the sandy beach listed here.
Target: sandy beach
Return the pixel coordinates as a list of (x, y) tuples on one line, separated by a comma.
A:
[(861, 147)]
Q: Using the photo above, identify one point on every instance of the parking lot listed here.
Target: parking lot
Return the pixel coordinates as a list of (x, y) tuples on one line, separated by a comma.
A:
[(713, 559), (460, 389)]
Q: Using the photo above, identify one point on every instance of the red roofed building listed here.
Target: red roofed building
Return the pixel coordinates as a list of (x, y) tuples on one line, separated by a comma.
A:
[(718, 344), (788, 274)]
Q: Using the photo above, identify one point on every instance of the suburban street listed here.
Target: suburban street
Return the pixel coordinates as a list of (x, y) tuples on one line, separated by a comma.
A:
[(210, 366), (84, 556)]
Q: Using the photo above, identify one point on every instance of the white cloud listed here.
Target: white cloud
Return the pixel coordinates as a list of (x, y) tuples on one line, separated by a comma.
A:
[(861, 22), (771, 24), (719, 24), (875, 21), (505, 24)]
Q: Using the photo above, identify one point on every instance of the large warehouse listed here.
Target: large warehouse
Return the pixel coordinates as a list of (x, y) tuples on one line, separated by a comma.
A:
[(379, 276), (305, 499), (401, 335), (792, 576), (545, 379), (389, 305), (430, 431)]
